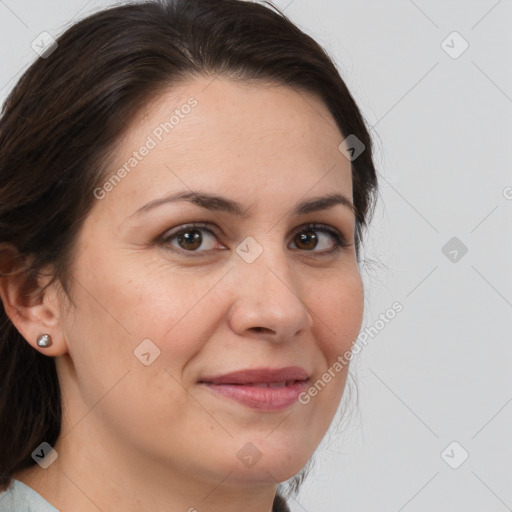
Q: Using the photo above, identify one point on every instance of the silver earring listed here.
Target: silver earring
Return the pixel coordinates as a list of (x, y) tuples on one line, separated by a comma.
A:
[(45, 340)]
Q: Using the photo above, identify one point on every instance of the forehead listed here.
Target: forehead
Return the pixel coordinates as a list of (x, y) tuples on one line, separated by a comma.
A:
[(243, 138)]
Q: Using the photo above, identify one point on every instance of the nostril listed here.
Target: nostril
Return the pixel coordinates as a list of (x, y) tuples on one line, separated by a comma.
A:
[(260, 329)]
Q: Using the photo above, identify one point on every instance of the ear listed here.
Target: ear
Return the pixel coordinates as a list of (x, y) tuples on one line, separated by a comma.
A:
[(32, 310)]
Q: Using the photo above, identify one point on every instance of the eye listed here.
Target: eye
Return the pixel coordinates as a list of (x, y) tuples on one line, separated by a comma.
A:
[(308, 239), (190, 238)]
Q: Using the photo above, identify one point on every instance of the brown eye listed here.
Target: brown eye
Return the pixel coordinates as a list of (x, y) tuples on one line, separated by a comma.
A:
[(190, 239), (312, 236), (306, 240)]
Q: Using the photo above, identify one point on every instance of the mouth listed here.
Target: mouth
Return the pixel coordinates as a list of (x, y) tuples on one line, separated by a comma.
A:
[(262, 389)]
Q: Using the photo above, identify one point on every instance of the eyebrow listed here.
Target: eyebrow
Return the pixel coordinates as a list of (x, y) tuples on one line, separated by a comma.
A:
[(218, 203)]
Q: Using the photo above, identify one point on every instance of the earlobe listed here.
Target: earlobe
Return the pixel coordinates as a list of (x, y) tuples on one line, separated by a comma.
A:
[(31, 305)]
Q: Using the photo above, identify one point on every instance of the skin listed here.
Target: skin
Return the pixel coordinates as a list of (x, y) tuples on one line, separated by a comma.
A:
[(139, 438)]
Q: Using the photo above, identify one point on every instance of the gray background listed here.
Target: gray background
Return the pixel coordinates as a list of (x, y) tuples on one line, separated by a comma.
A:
[(440, 370)]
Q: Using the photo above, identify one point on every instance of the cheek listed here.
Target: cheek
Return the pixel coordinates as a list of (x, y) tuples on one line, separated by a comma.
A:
[(114, 315), (150, 300), (337, 309)]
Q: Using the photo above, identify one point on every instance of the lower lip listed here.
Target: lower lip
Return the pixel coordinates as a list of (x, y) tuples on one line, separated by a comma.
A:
[(263, 399)]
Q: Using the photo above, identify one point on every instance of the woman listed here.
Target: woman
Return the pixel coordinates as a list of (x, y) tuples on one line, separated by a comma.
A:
[(183, 190)]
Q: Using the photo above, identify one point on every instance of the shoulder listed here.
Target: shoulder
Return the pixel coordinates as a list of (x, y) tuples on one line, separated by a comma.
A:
[(21, 498)]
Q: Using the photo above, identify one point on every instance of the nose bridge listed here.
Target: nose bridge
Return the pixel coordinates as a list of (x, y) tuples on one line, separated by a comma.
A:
[(267, 291), (268, 264)]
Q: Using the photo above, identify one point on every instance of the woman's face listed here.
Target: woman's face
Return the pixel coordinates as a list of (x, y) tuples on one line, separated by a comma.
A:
[(238, 292)]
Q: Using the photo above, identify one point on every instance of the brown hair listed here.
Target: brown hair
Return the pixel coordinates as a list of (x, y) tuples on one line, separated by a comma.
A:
[(64, 116)]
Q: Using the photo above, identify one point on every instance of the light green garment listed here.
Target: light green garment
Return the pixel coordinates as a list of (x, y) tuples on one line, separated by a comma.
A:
[(21, 498)]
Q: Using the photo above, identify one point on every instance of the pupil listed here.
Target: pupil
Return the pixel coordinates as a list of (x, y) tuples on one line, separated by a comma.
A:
[(308, 236), (189, 239)]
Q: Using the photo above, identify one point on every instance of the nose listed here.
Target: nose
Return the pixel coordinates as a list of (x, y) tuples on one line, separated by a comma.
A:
[(268, 299)]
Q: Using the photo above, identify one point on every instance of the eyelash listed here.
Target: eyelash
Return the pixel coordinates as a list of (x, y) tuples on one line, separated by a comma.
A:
[(340, 242)]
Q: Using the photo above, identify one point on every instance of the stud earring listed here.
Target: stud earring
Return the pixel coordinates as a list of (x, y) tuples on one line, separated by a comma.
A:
[(45, 340)]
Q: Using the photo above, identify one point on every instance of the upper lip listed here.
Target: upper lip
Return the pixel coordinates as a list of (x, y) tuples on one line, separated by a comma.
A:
[(259, 376)]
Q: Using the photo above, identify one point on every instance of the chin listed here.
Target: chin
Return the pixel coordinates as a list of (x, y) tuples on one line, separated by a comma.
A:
[(265, 474), (269, 464)]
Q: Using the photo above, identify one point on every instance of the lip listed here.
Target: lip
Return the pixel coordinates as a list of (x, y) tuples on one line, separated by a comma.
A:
[(259, 376), (261, 388)]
